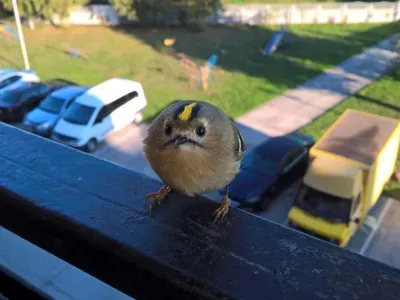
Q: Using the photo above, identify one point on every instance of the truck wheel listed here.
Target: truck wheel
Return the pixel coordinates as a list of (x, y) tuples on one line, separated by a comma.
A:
[(91, 146)]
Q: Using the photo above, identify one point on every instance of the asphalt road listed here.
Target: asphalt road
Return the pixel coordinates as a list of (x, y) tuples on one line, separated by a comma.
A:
[(378, 238), (385, 245)]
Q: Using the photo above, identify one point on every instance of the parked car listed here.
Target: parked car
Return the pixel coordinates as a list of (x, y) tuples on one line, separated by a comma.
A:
[(101, 110), (269, 169), (25, 96), (42, 119), (9, 77)]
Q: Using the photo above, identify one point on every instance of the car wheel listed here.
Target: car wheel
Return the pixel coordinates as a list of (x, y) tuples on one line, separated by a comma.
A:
[(91, 146), (262, 204), (138, 118)]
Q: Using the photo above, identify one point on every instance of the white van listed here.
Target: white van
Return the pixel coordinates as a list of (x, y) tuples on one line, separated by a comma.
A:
[(101, 110)]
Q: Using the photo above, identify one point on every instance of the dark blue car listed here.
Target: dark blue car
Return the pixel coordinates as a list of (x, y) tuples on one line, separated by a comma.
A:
[(22, 97), (269, 169)]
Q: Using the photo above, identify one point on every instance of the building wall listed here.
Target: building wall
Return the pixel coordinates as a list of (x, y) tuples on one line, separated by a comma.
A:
[(91, 15), (304, 13)]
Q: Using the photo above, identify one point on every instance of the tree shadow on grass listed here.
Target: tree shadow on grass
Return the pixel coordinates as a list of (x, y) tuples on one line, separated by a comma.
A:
[(239, 49), (393, 192), (396, 108)]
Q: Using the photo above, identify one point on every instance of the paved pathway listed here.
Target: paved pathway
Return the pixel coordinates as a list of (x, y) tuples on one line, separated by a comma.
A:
[(298, 107), (385, 245)]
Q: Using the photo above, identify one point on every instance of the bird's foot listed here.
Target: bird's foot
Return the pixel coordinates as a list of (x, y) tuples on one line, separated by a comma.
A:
[(158, 196), (222, 210)]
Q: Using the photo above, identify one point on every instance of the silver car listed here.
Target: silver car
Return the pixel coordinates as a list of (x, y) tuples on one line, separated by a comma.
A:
[(42, 119), (10, 77)]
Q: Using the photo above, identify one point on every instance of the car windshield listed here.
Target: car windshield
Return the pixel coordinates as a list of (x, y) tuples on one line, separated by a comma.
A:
[(5, 83), (261, 165), (10, 96), (331, 208), (52, 104), (78, 113)]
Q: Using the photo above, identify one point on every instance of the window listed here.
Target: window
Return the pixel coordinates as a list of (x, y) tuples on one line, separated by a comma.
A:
[(29, 94), (114, 105), (44, 89), (79, 114), (121, 101), (101, 115), (10, 97), (260, 165), (356, 203), (329, 207), (52, 104), (9, 81), (133, 95), (290, 158)]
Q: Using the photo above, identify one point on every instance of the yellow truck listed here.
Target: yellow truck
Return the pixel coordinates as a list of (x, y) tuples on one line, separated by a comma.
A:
[(347, 171)]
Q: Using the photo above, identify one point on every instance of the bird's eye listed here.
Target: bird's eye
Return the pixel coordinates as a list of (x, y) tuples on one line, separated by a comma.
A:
[(200, 130), (168, 129)]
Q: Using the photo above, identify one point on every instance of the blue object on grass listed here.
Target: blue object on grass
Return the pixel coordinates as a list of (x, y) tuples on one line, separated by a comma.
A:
[(274, 42), (211, 62), (12, 31), (75, 53)]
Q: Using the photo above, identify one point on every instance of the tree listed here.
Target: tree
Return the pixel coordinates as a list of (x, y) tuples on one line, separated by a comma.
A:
[(43, 9), (166, 12)]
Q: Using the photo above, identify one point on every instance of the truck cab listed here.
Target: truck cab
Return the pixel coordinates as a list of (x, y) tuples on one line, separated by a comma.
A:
[(331, 190)]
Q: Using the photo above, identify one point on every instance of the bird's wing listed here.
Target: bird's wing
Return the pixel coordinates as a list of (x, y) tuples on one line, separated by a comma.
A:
[(240, 146)]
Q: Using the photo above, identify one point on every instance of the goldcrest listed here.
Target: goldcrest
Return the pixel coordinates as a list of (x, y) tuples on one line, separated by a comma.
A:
[(195, 148)]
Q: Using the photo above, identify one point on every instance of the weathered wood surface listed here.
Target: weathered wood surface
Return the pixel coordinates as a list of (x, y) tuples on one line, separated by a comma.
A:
[(91, 213)]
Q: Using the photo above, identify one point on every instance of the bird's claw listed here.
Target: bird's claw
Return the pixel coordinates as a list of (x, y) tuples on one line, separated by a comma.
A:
[(155, 197), (158, 196), (221, 211)]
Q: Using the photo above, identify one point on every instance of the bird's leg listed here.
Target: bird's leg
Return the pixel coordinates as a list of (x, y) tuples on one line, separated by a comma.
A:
[(223, 209), (158, 196)]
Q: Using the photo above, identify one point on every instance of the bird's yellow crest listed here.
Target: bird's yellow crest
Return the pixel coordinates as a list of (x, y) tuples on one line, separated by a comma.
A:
[(187, 112)]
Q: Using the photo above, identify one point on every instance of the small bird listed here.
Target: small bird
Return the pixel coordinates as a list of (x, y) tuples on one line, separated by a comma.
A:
[(195, 148)]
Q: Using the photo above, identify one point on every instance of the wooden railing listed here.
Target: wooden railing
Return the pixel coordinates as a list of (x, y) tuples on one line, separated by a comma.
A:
[(90, 213)]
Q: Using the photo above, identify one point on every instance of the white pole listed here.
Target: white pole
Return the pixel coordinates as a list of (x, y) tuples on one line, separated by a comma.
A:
[(20, 34)]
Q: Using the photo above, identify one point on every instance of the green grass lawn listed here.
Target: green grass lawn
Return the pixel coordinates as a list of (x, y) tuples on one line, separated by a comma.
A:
[(242, 80), (382, 98)]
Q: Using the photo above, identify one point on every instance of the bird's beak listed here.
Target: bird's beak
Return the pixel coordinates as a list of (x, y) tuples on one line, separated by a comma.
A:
[(179, 140)]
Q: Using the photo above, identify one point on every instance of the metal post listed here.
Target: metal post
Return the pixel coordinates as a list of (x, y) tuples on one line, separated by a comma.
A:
[(20, 34)]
